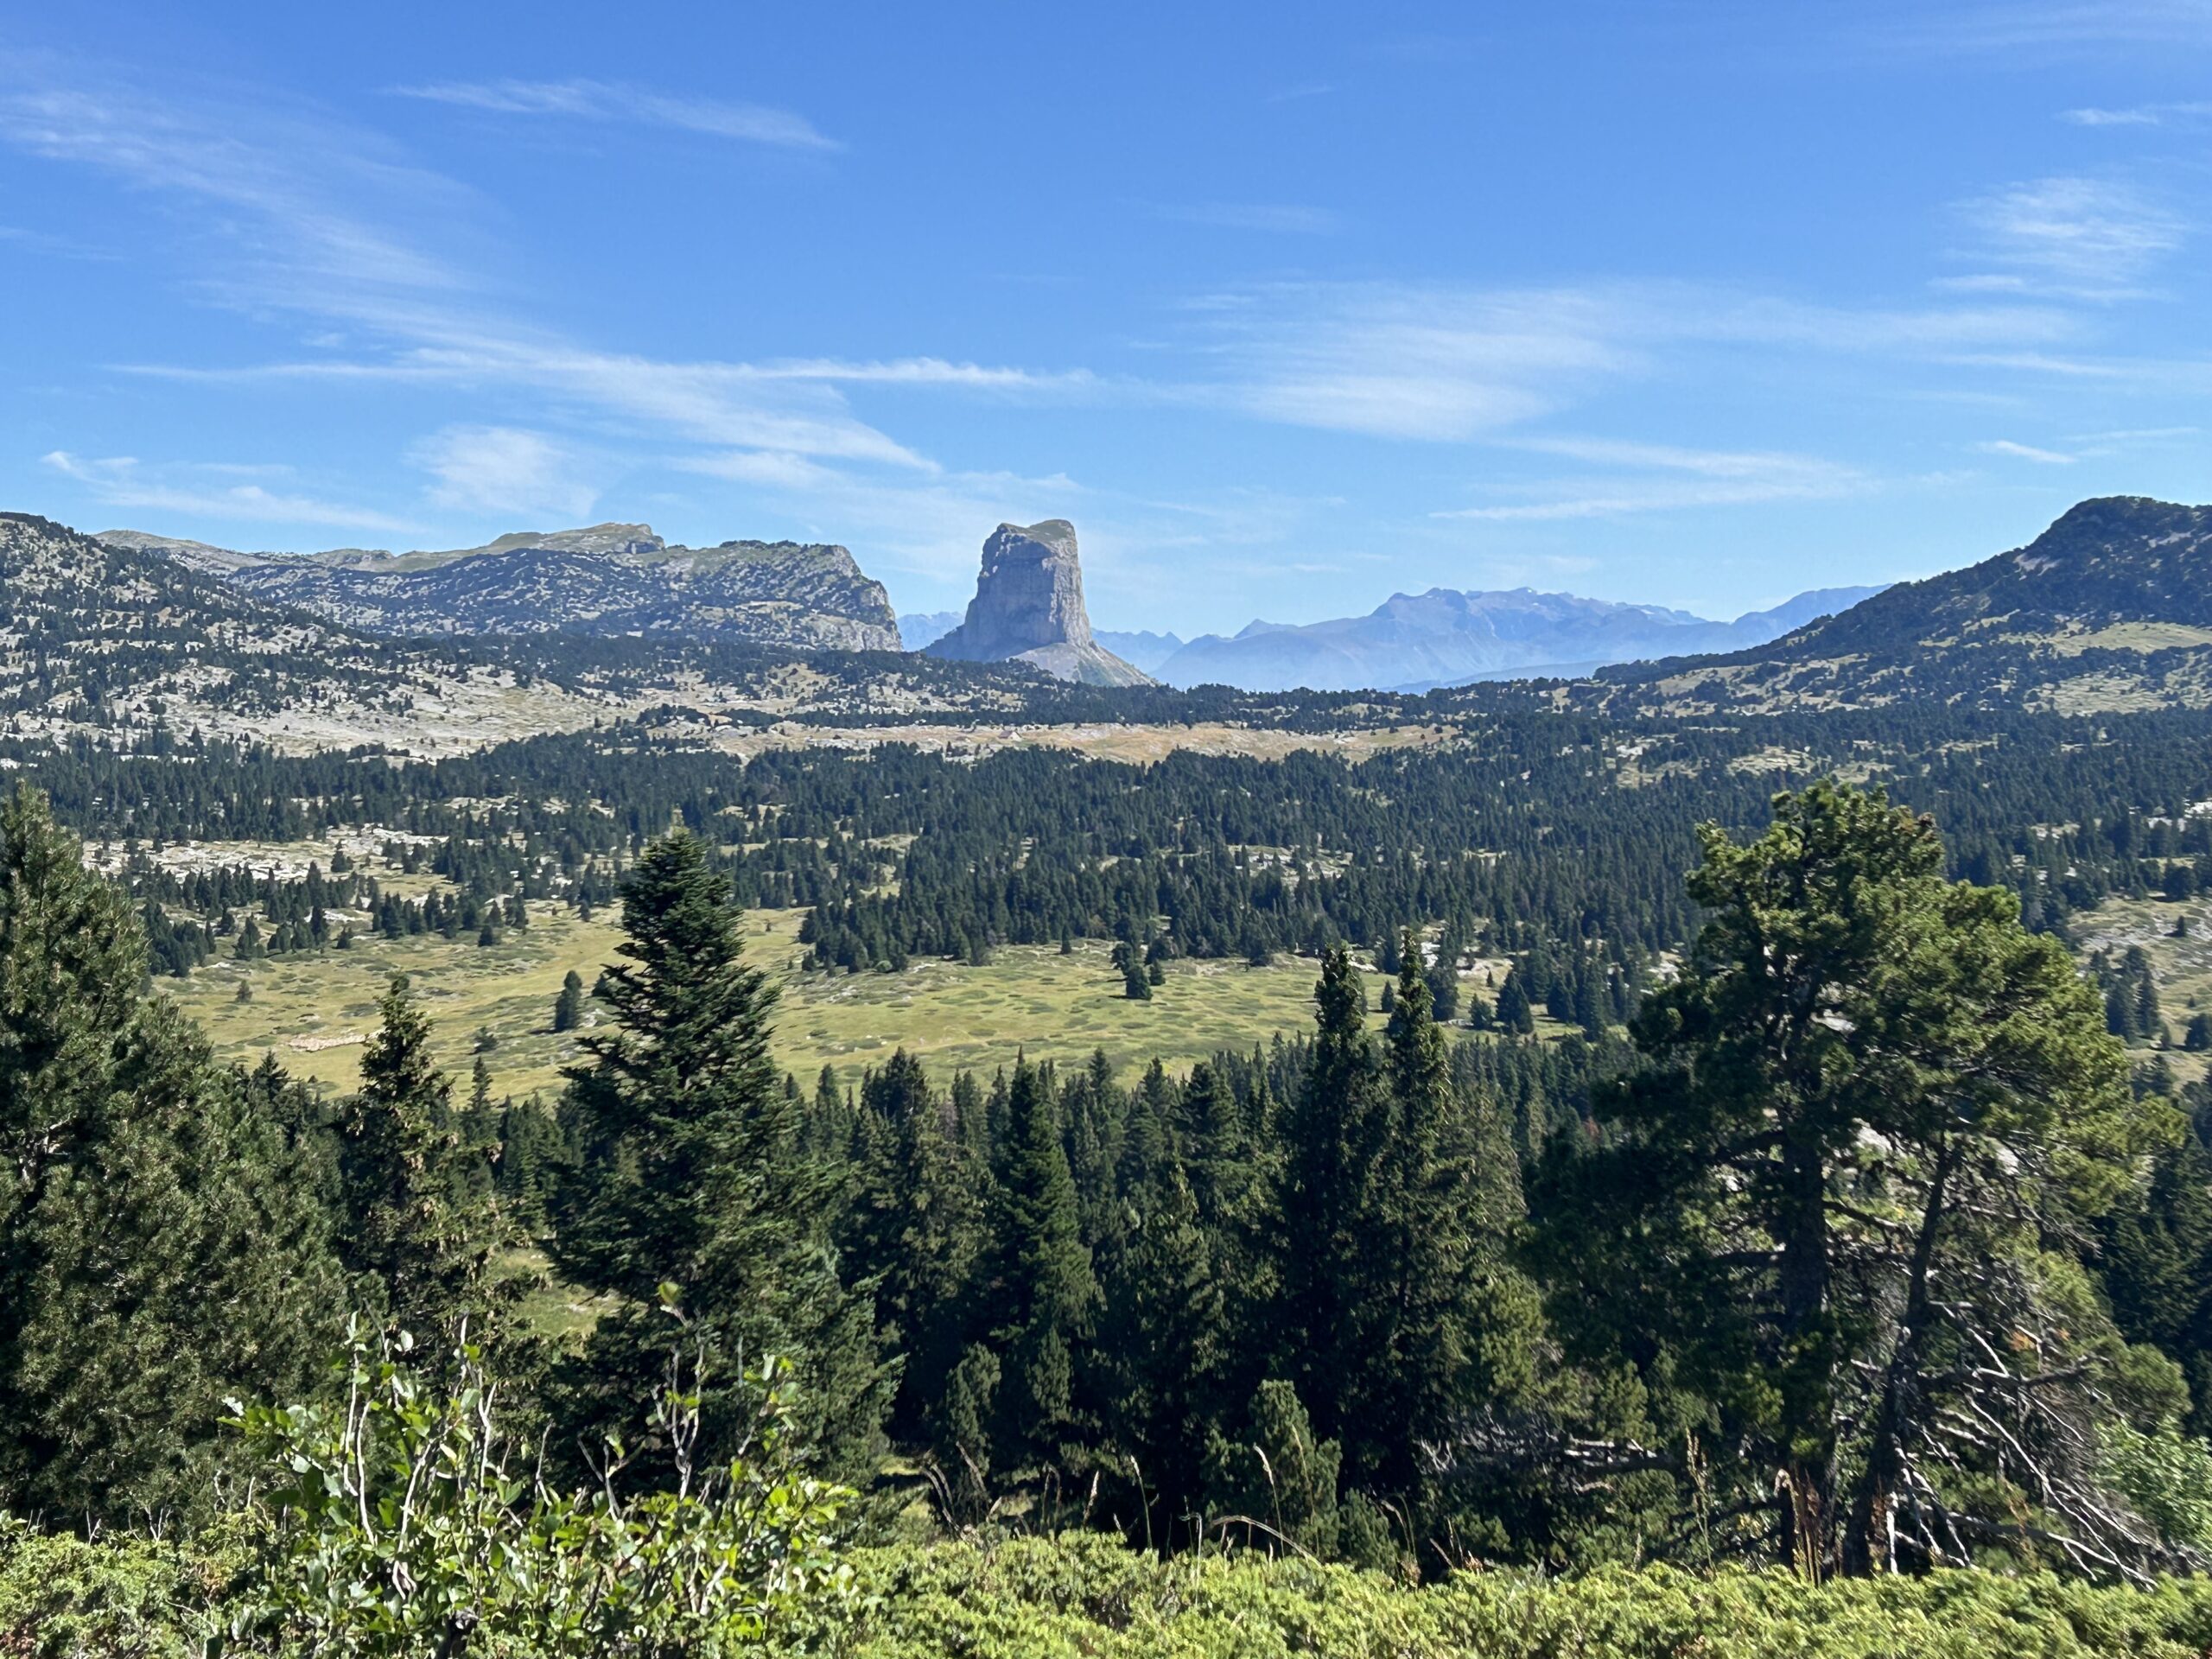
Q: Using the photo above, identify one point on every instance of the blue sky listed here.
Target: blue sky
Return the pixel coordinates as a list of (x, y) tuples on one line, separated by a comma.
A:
[(1287, 306)]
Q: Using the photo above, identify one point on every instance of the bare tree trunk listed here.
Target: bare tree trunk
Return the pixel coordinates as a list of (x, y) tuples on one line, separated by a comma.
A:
[(1865, 1547), (1808, 1362)]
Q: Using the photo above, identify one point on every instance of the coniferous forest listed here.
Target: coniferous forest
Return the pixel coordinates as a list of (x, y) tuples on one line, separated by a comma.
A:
[(1830, 1234)]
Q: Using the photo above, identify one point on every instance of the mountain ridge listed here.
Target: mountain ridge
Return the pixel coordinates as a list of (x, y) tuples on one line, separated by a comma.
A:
[(2109, 607), (603, 579)]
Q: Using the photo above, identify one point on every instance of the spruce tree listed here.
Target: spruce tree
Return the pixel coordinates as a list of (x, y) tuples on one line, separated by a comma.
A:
[(689, 1174), (1163, 1341), (1450, 1329), (914, 1230), (1322, 1245)]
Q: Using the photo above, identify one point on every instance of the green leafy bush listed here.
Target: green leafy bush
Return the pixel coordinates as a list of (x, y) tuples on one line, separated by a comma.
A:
[(412, 1523)]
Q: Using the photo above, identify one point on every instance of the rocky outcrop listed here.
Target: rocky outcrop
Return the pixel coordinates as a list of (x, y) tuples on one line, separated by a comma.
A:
[(1028, 607), (607, 579)]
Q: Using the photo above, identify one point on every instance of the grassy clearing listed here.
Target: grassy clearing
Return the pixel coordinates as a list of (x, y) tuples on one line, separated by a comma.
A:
[(314, 1011), (2183, 968)]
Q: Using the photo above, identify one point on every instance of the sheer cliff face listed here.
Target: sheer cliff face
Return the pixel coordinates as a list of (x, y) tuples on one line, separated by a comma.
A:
[(1028, 607), (1030, 595)]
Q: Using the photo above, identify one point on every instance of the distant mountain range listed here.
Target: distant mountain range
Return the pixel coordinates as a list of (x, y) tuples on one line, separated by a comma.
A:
[(1420, 641), (608, 579)]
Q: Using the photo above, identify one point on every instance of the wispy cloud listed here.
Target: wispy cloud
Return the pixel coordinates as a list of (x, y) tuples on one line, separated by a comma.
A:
[(1663, 478), (929, 527), (2140, 115), (121, 481), (314, 219), (60, 247), (618, 101), (1442, 363), (2083, 238), (2026, 452), (2042, 27), (503, 469), (1280, 217)]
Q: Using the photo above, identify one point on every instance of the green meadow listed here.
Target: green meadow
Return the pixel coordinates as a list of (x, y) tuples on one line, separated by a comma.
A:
[(315, 1011)]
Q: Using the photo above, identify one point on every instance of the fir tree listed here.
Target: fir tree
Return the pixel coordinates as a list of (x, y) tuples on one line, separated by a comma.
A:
[(417, 1226), (1323, 1208)]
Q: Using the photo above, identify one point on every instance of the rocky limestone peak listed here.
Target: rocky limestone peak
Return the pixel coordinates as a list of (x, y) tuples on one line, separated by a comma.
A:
[(1030, 593), (1028, 605)]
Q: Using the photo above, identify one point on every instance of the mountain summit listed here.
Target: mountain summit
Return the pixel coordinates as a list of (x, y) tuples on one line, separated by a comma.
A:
[(1028, 607)]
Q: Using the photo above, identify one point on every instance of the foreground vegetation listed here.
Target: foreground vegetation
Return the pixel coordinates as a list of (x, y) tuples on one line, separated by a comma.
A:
[(1082, 1596)]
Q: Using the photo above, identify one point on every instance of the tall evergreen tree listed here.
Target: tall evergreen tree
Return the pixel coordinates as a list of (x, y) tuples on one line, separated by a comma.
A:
[(1322, 1217), (689, 1174), (1453, 1330), (1038, 1292), (915, 1229), (568, 1007), (1872, 1095)]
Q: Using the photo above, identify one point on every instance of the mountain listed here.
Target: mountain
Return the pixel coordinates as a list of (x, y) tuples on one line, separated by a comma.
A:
[(607, 578), (920, 628), (1144, 649), (1028, 607), (2109, 608), (1444, 637)]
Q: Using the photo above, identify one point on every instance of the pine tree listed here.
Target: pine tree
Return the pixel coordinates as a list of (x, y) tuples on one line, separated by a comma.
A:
[(1868, 1093), (689, 1174), (162, 1243)]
